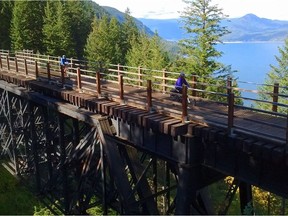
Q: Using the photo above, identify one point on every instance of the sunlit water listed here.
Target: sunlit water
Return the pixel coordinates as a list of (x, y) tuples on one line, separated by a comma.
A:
[(251, 61)]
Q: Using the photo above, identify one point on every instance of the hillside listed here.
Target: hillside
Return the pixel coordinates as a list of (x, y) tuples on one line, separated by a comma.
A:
[(246, 28), (121, 17)]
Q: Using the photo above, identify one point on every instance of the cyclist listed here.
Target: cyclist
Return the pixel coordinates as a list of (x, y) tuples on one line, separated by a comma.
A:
[(180, 81), (64, 64)]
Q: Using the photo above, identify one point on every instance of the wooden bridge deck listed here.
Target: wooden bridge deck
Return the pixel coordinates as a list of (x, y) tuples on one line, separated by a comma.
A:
[(246, 122), (257, 154)]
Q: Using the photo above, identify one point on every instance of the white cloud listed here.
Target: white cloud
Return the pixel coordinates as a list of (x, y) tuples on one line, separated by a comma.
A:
[(162, 9)]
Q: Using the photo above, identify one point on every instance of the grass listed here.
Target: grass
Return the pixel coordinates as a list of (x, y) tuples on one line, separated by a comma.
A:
[(15, 199)]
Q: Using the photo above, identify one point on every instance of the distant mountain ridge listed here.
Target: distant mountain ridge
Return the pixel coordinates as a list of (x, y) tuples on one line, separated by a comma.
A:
[(121, 18), (248, 28)]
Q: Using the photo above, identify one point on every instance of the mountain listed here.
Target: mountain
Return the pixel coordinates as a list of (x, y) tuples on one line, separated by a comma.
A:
[(121, 18), (247, 28)]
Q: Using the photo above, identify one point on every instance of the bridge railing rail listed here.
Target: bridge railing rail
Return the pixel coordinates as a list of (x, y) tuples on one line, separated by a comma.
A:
[(88, 75)]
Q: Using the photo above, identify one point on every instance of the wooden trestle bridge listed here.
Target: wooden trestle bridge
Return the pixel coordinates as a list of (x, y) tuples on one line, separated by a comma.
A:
[(113, 136)]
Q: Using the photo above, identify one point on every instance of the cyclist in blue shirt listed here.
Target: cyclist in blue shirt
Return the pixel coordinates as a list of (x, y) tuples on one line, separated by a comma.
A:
[(180, 81), (64, 64)]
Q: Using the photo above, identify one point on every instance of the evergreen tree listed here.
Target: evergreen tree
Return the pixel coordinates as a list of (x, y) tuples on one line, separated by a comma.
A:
[(115, 40), (57, 30), (103, 43), (6, 8), (149, 53), (27, 24), (202, 22), (81, 16), (130, 34), (278, 74), (198, 54)]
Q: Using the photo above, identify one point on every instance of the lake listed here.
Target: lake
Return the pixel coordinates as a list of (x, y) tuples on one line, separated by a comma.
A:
[(251, 60)]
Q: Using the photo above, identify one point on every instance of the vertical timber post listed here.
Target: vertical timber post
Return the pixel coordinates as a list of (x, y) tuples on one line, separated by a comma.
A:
[(167, 203), (118, 69), (25, 66), (79, 83), (164, 81), (36, 69), (103, 175), (229, 85), (149, 95), (48, 72), (8, 65), (230, 113), (16, 65), (61, 120), (184, 103), (98, 84), (275, 97), (155, 175), (246, 198), (62, 76), (190, 178), (193, 86), (121, 94), (34, 146), (139, 76)]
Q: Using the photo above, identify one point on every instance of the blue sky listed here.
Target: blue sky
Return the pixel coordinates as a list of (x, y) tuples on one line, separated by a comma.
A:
[(163, 9)]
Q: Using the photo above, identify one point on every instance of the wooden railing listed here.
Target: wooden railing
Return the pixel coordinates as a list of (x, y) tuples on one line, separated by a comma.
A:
[(89, 76)]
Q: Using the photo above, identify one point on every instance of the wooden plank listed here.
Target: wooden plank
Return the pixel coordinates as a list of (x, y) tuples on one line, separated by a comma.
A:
[(179, 129)]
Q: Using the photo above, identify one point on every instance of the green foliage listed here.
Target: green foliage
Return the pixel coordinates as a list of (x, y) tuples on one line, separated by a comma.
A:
[(148, 52), (6, 8), (278, 74), (130, 33), (202, 21), (198, 54), (27, 24), (104, 44), (57, 30), (81, 16), (15, 198)]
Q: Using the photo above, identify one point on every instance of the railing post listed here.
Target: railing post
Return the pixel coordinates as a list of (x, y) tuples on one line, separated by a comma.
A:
[(229, 85), (230, 113), (62, 76), (16, 65), (48, 71), (36, 70), (118, 69), (25, 66), (193, 86), (98, 84), (184, 103), (149, 95), (1, 61), (79, 84), (120, 78), (8, 65), (275, 97), (164, 81), (139, 76)]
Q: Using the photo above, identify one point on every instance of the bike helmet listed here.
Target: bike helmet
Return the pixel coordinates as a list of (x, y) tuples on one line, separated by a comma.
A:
[(182, 74)]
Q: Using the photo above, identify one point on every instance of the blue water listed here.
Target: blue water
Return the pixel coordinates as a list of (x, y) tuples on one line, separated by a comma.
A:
[(251, 60)]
